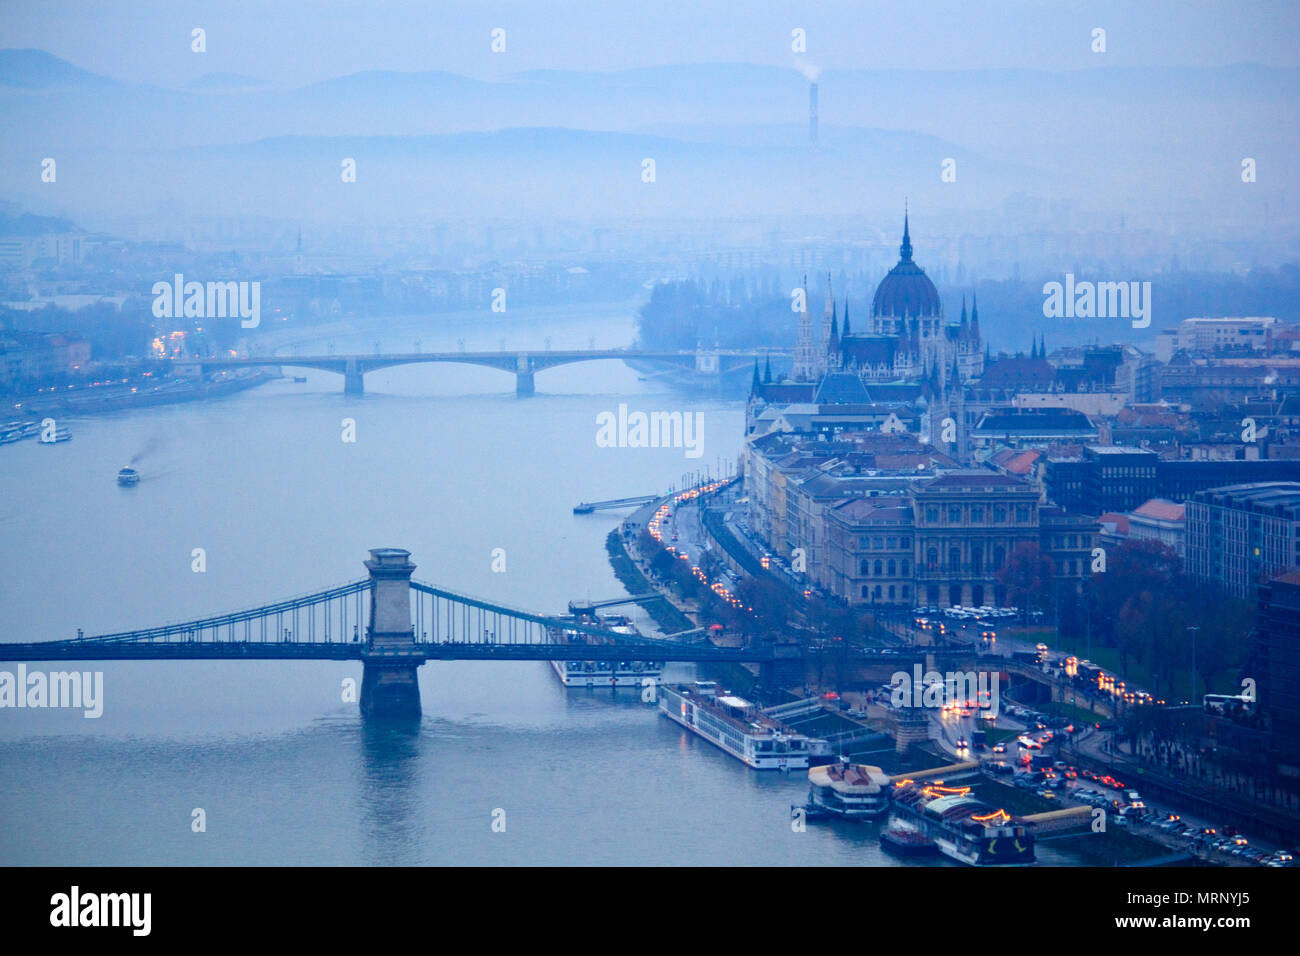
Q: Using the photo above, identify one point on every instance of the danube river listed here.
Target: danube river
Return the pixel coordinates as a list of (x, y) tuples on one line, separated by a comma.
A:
[(448, 464)]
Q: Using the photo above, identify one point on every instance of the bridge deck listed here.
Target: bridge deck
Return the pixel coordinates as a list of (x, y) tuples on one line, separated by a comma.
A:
[(415, 654)]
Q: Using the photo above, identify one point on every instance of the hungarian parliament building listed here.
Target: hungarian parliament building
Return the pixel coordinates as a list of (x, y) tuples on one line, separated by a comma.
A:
[(907, 336)]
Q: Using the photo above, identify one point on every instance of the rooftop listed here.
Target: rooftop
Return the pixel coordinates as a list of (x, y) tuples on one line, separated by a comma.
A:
[(1161, 510)]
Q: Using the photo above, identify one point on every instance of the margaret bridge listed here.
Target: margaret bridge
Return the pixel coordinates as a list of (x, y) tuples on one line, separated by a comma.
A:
[(523, 364)]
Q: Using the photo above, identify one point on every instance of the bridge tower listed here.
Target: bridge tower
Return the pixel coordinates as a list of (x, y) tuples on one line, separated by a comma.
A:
[(389, 686)]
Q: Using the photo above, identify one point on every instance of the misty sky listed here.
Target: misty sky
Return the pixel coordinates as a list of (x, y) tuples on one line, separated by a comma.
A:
[(292, 42)]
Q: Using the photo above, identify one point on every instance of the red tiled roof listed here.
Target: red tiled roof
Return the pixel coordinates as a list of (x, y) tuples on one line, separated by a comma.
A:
[(1162, 510), (1119, 521)]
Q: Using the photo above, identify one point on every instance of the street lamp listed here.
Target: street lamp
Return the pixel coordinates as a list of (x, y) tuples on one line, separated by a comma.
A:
[(1193, 629)]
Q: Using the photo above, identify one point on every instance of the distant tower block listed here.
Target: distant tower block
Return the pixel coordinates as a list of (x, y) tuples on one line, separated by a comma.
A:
[(812, 113), (389, 686)]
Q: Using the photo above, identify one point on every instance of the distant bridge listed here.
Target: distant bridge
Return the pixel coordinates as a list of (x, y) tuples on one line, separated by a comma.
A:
[(524, 364), (392, 625)]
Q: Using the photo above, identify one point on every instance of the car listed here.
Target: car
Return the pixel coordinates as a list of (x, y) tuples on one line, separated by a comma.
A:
[(1046, 794), (1119, 821), (962, 743), (999, 748)]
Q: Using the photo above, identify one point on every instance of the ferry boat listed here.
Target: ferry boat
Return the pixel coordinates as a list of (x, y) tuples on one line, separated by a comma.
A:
[(907, 841), (851, 791), (60, 434), (737, 726), (580, 673), (963, 828), (17, 431), (128, 477)]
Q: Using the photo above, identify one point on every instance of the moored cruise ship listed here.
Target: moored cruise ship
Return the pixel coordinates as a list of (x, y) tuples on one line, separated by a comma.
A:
[(962, 827), (849, 790), (588, 673), (737, 726)]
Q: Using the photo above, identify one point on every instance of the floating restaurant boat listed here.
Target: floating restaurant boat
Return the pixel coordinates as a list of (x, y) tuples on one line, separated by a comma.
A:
[(602, 673), (962, 827), (128, 477), (847, 790), (736, 725)]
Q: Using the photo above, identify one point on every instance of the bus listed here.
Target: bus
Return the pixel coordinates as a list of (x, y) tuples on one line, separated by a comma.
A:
[(1227, 704)]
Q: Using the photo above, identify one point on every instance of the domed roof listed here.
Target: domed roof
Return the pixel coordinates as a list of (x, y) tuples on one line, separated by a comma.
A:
[(906, 290)]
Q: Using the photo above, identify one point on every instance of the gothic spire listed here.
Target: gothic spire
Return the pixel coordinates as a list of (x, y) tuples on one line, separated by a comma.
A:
[(767, 374), (753, 387), (846, 317), (905, 250)]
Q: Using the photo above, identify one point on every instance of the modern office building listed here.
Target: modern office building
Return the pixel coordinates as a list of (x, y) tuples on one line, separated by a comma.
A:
[(1278, 642), (1242, 535)]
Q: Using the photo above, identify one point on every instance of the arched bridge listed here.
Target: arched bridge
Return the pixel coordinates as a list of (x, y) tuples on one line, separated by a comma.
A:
[(524, 364), (390, 623)]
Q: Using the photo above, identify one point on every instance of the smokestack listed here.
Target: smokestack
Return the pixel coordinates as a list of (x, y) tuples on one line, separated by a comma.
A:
[(812, 113)]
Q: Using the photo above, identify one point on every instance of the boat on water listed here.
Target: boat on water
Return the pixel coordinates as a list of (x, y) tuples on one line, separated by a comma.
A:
[(736, 725), (906, 841), (602, 673), (60, 435), (962, 827), (849, 791), (300, 378), (11, 432), (128, 477)]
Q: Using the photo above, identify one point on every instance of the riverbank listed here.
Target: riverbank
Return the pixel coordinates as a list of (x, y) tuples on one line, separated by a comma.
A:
[(669, 619), (103, 399)]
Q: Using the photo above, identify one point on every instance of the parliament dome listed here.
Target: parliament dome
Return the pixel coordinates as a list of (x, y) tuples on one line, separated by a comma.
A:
[(906, 291)]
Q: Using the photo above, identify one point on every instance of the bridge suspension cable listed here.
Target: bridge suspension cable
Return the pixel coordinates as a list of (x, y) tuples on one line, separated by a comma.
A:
[(322, 617)]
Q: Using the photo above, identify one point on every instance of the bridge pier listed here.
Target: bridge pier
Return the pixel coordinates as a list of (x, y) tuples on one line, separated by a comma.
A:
[(389, 683), (786, 669), (353, 381), (524, 384)]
